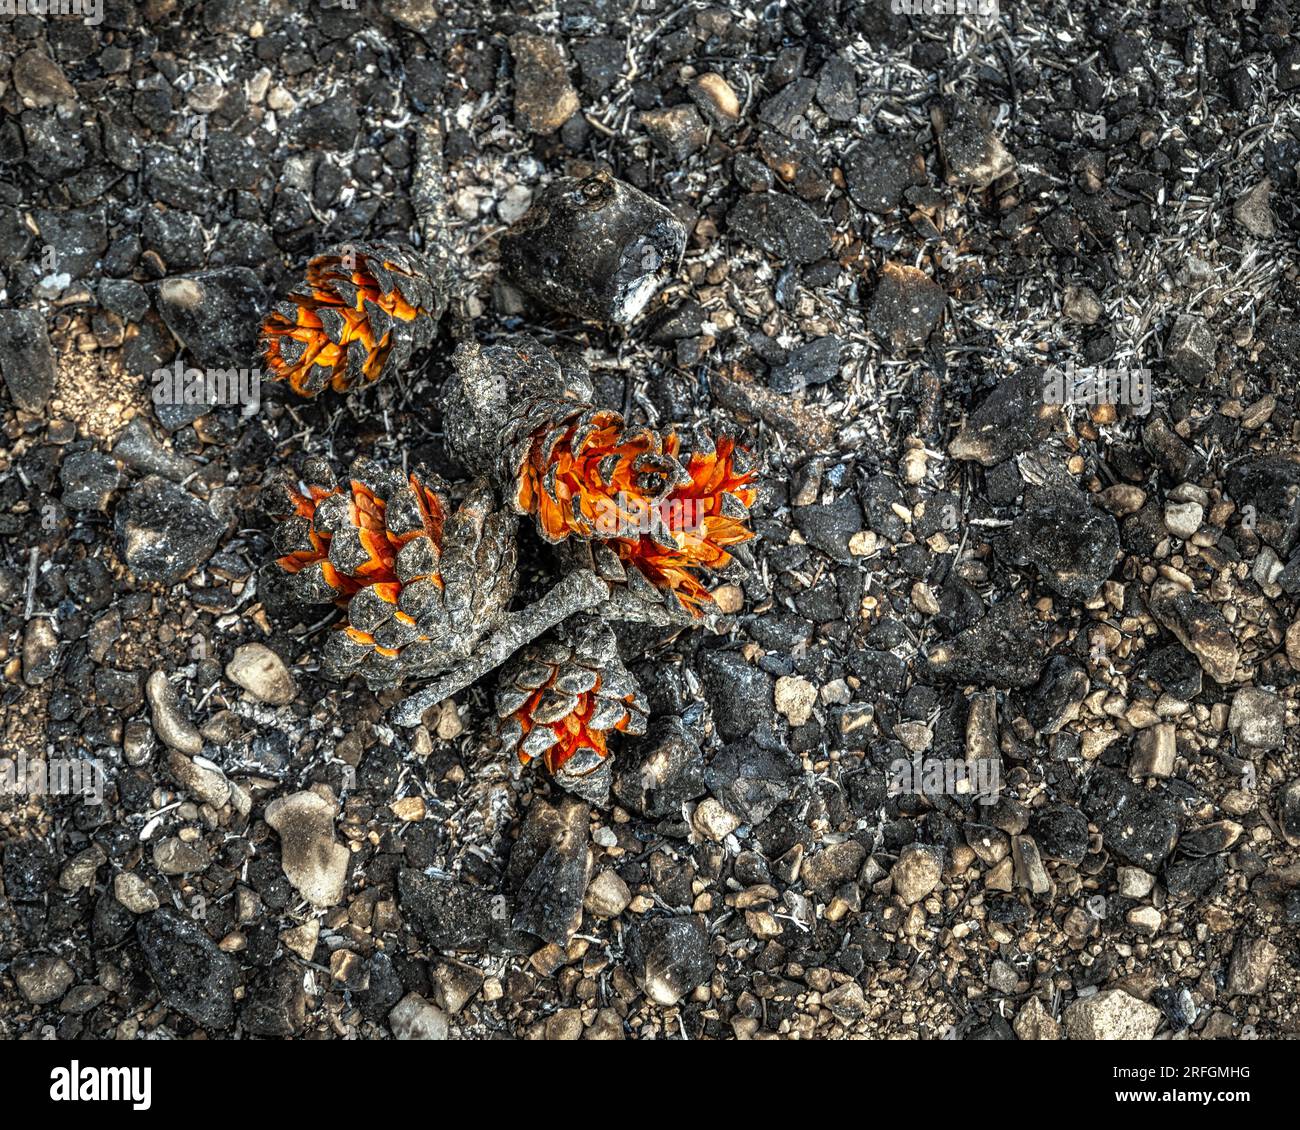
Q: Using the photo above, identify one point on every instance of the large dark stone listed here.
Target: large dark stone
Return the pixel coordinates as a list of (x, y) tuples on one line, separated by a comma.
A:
[(194, 977)]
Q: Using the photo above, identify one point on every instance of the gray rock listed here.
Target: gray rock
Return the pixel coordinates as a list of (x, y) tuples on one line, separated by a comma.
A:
[(41, 83), (134, 893), (80, 871), (677, 131), (544, 96), (262, 673), (313, 861), (1251, 965), (825, 870), (1111, 1015), (414, 1018), (1257, 719), (1028, 863), (165, 533), (205, 784), (170, 722), (193, 976), (42, 978), (1252, 211), (26, 359), (173, 856), (138, 448), (607, 895), (1081, 306)]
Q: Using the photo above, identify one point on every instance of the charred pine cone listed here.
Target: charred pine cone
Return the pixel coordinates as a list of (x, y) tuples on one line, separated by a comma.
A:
[(420, 584), (655, 517), (664, 516), (362, 312), (561, 698)]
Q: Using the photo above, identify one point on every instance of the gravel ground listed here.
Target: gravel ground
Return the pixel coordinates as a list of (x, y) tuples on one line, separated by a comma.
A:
[(902, 228)]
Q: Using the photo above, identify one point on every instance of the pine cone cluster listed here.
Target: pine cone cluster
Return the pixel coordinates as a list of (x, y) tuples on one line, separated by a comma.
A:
[(420, 583), (362, 312), (668, 516), (560, 699)]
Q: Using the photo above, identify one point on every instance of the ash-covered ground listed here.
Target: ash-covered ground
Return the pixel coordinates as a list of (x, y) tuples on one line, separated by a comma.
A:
[(902, 228)]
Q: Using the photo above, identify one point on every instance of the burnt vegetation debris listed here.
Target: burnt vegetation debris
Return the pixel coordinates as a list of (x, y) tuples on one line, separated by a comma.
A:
[(860, 244)]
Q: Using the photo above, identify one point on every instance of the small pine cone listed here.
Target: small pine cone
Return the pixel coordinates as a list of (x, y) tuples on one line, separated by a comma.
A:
[(420, 584), (363, 310), (580, 472), (561, 697)]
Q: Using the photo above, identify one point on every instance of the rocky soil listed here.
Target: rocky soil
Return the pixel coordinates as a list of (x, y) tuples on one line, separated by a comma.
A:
[(898, 225)]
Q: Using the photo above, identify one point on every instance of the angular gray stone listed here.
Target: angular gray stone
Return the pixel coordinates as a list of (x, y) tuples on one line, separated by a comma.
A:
[(164, 532), (414, 1018), (1111, 1015), (26, 359), (313, 860), (262, 673), (193, 976)]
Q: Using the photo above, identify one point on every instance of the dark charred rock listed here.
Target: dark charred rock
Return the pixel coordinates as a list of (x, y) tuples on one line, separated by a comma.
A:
[(26, 358), (1139, 825), (550, 865), (781, 225), (193, 976), (1072, 545), (164, 532), (1006, 649), (449, 915), (595, 248)]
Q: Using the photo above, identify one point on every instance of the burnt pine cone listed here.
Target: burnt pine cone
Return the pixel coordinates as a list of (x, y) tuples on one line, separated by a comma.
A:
[(665, 516), (363, 310), (419, 583), (559, 700)]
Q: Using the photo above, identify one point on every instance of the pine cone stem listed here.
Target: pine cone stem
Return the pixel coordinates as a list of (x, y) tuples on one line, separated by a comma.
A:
[(578, 592)]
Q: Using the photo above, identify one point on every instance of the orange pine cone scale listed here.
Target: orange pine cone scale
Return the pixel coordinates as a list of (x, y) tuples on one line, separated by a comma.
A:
[(419, 584), (363, 310), (561, 698), (580, 472)]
